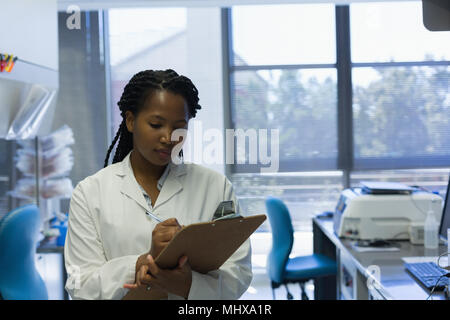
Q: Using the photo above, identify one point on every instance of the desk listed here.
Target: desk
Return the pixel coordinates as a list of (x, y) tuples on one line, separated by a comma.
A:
[(351, 281), (48, 245)]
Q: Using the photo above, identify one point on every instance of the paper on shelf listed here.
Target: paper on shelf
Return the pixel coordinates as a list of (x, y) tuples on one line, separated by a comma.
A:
[(52, 142), (58, 188), (57, 165)]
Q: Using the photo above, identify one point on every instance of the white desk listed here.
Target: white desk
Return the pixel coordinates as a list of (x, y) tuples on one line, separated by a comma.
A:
[(351, 281)]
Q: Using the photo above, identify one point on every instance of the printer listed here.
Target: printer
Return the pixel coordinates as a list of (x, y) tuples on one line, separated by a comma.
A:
[(381, 213)]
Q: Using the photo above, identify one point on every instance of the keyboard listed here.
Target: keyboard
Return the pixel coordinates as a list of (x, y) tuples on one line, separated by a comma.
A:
[(427, 273)]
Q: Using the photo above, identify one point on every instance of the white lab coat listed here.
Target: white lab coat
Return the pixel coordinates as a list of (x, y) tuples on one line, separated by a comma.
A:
[(108, 230)]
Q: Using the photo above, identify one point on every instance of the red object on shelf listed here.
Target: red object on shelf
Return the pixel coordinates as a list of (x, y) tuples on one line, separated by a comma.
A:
[(7, 62), (2, 62)]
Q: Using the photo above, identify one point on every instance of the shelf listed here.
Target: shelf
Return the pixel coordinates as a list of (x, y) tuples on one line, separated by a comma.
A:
[(29, 73)]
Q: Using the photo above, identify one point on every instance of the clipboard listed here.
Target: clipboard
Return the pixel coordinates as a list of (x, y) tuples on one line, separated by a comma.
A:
[(206, 244)]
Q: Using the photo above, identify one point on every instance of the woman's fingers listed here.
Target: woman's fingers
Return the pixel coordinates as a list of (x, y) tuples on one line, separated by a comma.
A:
[(152, 267), (143, 277), (182, 261), (170, 222), (163, 234), (166, 234), (138, 278)]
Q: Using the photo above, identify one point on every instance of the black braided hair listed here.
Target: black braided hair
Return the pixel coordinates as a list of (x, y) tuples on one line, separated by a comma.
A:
[(136, 92)]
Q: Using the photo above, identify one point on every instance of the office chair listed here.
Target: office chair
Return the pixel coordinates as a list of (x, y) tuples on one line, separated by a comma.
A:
[(282, 269), (19, 279)]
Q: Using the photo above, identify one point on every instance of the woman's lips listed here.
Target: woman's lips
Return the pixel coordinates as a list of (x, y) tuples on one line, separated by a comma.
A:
[(164, 154)]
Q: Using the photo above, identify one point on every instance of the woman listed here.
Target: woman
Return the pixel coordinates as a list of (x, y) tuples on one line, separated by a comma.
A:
[(114, 232)]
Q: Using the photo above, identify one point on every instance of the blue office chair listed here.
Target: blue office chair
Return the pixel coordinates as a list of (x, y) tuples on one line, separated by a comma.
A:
[(19, 279), (282, 269)]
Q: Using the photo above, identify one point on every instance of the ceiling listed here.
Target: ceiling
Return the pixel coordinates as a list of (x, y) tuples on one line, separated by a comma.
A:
[(107, 4)]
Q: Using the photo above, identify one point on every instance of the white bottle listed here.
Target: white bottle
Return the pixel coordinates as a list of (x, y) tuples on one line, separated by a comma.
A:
[(431, 231)]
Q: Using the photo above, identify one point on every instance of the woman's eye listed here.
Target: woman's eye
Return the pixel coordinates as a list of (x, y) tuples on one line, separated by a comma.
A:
[(156, 126)]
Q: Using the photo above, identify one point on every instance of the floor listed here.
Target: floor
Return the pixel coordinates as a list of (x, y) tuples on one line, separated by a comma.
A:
[(260, 289)]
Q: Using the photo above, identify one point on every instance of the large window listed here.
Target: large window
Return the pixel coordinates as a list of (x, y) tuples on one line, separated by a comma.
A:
[(291, 67)]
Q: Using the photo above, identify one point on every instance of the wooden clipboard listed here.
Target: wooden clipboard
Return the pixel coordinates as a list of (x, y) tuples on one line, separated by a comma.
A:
[(206, 244)]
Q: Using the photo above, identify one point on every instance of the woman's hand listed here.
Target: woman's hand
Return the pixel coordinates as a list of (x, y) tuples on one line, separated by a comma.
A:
[(141, 269), (176, 281), (142, 277), (162, 234)]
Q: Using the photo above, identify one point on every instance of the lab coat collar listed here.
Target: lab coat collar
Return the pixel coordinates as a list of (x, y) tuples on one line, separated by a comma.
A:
[(130, 187)]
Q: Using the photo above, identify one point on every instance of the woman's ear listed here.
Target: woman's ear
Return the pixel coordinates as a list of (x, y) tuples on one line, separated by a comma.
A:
[(129, 120)]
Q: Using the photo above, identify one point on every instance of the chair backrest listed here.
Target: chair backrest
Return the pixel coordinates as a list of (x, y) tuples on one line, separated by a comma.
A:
[(282, 238), (19, 278)]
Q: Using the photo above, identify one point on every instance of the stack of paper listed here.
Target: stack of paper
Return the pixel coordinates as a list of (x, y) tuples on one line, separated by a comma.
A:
[(45, 162)]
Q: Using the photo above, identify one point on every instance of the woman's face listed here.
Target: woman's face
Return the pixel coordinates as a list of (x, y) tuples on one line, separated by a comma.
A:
[(152, 128)]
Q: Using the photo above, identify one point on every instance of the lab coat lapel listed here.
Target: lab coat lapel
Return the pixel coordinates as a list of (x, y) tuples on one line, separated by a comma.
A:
[(172, 185), (129, 186)]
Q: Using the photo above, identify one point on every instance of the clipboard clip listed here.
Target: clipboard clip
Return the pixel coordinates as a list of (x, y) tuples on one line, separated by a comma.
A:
[(226, 210)]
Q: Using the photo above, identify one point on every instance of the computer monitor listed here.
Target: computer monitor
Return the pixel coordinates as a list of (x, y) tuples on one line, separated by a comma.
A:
[(445, 220)]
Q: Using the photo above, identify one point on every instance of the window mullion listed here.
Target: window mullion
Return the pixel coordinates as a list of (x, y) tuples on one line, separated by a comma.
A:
[(344, 90)]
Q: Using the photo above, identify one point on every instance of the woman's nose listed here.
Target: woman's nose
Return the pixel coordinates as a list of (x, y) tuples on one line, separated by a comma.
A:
[(166, 137)]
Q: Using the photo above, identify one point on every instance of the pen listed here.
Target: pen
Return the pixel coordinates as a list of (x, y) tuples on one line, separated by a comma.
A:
[(153, 216)]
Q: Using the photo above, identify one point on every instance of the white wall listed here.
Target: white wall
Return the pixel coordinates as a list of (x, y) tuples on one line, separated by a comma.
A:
[(29, 30)]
